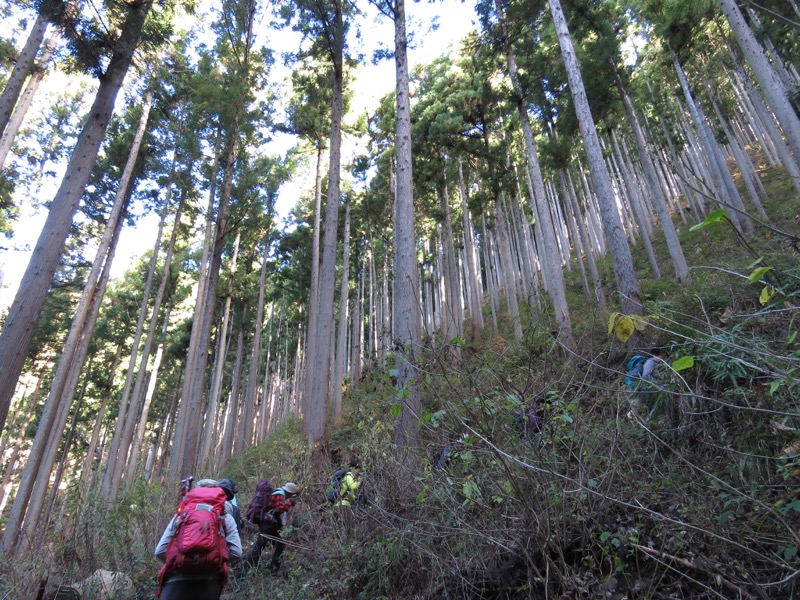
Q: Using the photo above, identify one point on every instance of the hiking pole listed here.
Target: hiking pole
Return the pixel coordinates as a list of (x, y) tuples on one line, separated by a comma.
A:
[(273, 538)]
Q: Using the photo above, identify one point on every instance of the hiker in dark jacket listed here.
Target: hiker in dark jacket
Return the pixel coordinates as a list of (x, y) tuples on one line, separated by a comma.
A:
[(269, 530), (230, 492)]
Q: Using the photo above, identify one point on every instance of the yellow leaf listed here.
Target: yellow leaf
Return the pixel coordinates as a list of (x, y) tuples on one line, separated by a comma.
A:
[(766, 294), (612, 321), (624, 328)]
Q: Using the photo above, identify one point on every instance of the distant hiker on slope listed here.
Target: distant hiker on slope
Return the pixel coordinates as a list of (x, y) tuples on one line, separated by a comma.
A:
[(197, 545), (270, 515), (348, 487), (641, 378)]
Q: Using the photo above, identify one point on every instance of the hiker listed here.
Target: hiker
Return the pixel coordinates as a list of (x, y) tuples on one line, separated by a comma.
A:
[(269, 524), (348, 488), (183, 576), (230, 492), (642, 376)]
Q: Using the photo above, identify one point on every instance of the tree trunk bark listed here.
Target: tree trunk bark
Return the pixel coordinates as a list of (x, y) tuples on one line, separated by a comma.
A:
[(22, 68), (621, 259), (475, 289), (36, 475), (341, 342), (763, 71), (29, 300), (25, 100), (406, 319)]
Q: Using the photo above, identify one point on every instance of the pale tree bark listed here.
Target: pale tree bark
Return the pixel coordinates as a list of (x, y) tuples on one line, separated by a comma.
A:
[(621, 259), (489, 266), (128, 448), (22, 68), (645, 149), (636, 205), (90, 458), (510, 282), (184, 456), (24, 312), (110, 483), (588, 248), (318, 365), (11, 463), (218, 373), (125, 441), (236, 382), (475, 289), (555, 284), (450, 271), (746, 169), (764, 73), (719, 168), (341, 341), (357, 335), (313, 303), (255, 355), (406, 319), (24, 103), (790, 163), (26, 508)]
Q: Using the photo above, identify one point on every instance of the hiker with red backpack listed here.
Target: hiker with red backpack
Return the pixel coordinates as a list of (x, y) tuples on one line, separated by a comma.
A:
[(268, 511), (197, 545)]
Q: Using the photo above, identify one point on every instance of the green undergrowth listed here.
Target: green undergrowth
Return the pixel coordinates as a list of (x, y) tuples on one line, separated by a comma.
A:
[(698, 501)]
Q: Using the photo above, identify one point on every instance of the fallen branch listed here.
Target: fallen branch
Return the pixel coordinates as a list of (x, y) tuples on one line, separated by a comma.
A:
[(719, 579)]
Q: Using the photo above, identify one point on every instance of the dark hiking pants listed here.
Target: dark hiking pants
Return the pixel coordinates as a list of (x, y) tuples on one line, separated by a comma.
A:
[(252, 558)]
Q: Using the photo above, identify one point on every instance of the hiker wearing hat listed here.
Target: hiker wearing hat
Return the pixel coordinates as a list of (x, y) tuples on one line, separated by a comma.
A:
[(230, 492), (278, 505), (349, 485)]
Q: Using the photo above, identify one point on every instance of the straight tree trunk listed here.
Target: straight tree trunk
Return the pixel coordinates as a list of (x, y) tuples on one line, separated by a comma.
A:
[(21, 320), (341, 342), (313, 304), (27, 505), (476, 302), (670, 236), (719, 168), (406, 319), (24, 103), (22, 68), (255, 355), (763, 71), (621, 259)]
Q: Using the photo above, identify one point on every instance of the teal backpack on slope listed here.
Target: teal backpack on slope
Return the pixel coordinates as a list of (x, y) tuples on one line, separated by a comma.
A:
[(634, 371)]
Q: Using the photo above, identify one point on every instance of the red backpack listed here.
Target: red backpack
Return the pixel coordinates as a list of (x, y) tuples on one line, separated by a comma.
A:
[(258, 511), (198, 546)]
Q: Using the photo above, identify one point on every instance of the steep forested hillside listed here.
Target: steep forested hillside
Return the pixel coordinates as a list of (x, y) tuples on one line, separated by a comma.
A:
[(453, 299)]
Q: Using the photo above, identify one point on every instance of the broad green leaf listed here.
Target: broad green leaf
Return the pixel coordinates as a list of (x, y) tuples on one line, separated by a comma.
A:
[(624, 328), (397, 409), (756, 275), (683, 363), (713, 217), (567, 418), (766, 294), (421, 497)]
